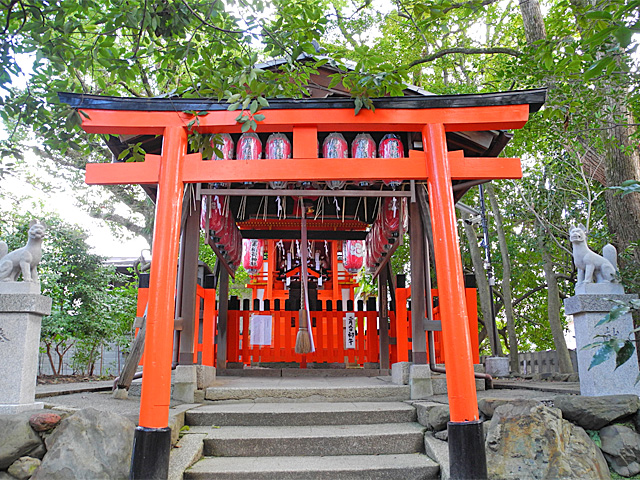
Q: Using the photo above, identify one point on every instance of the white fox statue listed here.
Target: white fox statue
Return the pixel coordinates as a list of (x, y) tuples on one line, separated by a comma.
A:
[(592, 268), (24, 260)]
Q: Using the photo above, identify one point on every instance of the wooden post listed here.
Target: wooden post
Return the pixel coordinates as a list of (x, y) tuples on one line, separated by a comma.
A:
[(191, 243), (467, 458), (223, 310), (383, 318), (152, 439), (418, 304)]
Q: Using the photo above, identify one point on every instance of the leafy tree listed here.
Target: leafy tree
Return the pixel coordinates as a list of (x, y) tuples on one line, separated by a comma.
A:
[(583, 139), (87, 309)]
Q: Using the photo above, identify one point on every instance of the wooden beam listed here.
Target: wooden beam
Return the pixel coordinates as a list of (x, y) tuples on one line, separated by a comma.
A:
[(383, 318), (495, 117), (196, 170), (416, 232), (190, 243), (223, 311)]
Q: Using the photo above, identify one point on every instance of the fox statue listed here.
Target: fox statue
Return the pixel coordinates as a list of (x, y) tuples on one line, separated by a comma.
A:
[(592, 268), (23, 260)]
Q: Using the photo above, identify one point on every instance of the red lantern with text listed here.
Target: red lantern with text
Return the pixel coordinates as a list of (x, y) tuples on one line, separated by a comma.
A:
[(252, 257), (352, 255)]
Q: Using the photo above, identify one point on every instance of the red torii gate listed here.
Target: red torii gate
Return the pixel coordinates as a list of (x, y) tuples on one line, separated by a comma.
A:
[(175, 167)]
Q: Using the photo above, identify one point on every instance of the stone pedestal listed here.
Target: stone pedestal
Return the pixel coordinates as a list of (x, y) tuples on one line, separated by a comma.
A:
[(21, 311), (603, 379), (497, 366), (190, 381)]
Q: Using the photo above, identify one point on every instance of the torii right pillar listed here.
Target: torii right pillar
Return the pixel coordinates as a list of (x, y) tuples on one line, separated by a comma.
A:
[(467, 457)]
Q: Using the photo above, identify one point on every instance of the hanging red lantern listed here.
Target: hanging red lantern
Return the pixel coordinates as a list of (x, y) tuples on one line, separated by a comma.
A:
[(278, 146), (252, 256), (249, 147), (363, 146), (225, 146), (352, 255), (390, 215), (335, 146), (391, 147)]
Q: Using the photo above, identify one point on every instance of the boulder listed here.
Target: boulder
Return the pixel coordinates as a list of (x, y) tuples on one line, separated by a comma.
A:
[(43, 422), (488, 405), (593, 413), (438, 418), (24, 467), (6, 476), (432, 415), (621, 447), (527, 442), (88, 444), (17, 439)]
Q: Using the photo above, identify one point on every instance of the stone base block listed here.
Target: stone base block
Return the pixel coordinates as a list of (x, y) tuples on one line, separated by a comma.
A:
[(19, 408), (400, 373), (205, 376), (420, 382), (497, 366)]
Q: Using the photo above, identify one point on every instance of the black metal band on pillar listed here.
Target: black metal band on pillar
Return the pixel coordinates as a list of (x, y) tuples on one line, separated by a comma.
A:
[(467, 457), (150, 458)]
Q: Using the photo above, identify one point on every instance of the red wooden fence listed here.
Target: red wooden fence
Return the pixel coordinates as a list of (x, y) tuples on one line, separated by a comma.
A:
[(327, 328)]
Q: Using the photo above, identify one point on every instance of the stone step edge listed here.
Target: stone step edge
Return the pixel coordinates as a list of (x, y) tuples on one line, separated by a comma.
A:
[(310, 464)]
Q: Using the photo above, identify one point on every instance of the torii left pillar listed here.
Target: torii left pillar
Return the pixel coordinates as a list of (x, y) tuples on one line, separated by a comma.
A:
[(152, 440)]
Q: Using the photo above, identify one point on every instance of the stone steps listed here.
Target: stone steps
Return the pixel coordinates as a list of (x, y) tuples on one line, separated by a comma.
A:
[(321, 440), (310, 440), (356, 393), (294, 414), (357, 467)]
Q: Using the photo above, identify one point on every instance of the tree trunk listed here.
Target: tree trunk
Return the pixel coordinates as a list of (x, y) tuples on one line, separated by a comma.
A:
[(514, 361), (553, 308), (483, 285), (532, 20)]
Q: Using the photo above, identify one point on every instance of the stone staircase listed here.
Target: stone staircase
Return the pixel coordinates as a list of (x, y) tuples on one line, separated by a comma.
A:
[(289, 435)]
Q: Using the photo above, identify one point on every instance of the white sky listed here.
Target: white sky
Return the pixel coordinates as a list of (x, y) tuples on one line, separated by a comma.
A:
[(101, 240)]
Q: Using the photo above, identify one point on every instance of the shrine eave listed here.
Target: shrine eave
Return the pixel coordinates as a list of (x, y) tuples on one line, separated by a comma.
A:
[(534, 98)]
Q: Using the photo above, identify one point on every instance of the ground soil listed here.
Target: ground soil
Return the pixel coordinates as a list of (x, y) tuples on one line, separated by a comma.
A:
[(55, 379)]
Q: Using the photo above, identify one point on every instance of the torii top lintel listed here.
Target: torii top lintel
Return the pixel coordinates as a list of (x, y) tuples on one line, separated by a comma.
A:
[(304, 119)]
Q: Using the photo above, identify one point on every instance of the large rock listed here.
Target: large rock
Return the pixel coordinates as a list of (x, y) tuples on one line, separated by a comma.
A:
[(88, 444), (593, 413), (526, 442), (488, 405), (24, 467), (621, 447), (17, 438), (432, 415)]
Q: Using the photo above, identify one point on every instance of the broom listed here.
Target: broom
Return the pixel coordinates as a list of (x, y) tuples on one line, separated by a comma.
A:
[(304, 342)]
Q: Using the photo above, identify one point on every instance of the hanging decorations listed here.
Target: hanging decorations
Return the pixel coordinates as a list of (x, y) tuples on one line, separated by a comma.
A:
[(391, 147), (386, 229), (363, 146), (249, 148), (278, 146), (253, 255), (352, 255), (335, 146)]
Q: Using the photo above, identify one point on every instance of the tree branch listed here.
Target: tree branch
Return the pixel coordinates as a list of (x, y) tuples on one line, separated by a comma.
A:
[(204, 22), (466, 51)]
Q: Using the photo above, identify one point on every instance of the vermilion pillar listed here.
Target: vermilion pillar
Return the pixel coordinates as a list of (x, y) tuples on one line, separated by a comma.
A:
[(466, 439), (152, 441)]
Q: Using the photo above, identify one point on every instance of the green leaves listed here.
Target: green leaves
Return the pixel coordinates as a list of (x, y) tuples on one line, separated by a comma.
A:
[(615, 313), (627, 187), (623, 349)]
